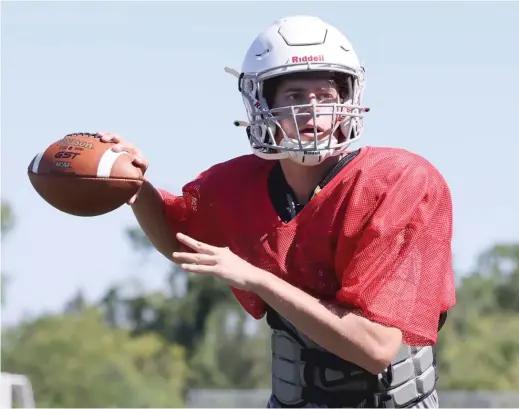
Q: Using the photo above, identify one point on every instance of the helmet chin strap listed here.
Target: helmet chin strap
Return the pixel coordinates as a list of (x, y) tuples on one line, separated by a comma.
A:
[(311, 157)]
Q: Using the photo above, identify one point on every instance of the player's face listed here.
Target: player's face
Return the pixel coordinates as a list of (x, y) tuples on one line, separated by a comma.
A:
[(306, 91)]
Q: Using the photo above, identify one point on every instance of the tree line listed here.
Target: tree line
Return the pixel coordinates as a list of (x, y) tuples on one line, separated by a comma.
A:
[(150, 349)]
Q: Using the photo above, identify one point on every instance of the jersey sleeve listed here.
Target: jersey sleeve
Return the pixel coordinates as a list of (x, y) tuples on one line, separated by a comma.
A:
[(175, 210), (400, 274), (182, 211)]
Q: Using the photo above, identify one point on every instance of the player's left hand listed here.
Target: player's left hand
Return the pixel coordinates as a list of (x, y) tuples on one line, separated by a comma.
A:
[(219, 262)]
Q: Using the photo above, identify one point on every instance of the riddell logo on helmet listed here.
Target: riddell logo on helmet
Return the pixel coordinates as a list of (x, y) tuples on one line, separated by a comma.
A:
[(308, 58)]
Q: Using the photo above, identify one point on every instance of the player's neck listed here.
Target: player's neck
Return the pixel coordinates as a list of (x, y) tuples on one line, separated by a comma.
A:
[(304, 179)]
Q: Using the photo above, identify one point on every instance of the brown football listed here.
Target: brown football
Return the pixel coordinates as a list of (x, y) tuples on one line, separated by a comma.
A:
[(82, 176)]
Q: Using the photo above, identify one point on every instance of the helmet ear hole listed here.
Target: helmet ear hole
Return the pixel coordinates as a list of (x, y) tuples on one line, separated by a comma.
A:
[(260, 133)]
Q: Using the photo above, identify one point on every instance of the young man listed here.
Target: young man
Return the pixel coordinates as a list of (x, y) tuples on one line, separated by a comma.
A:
[(347, 253)]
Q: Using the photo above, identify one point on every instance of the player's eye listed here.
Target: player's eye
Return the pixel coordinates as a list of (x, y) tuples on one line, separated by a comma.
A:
[(328, 96), (297, 96)]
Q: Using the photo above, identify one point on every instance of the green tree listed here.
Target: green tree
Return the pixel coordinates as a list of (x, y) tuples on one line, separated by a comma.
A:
[(230, 355), (8, 223), (8, 219), (501, 264), (484, 356), (75, 360), (478, 348)]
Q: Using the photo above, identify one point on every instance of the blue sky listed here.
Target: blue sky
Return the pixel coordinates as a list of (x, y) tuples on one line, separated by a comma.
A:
[(442, 81)]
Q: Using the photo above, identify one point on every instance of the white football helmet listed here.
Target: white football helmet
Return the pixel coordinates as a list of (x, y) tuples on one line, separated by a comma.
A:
[(294, 45)]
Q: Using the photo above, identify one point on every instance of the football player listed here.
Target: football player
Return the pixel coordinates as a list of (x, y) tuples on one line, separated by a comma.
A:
[(347, 253)]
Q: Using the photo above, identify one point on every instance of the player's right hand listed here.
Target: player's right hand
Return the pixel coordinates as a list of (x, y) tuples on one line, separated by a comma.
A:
[(121, 145)]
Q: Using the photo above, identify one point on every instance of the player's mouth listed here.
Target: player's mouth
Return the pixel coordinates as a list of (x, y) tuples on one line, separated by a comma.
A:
[(309, 130)]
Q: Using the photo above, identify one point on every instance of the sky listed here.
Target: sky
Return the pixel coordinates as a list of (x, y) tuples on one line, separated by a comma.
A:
[(442, 81)]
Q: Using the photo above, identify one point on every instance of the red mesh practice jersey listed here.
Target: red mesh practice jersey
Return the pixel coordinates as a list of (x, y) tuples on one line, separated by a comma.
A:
[(376, 238)]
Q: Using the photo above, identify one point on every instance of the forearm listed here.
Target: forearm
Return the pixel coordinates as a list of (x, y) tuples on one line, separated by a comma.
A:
[(338, 330), (149, 212)]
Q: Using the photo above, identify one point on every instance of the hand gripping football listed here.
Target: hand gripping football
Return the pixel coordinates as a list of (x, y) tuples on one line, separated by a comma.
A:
[(82, 176)]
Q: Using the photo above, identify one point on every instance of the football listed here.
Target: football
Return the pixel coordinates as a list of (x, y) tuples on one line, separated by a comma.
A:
[(82, 176)]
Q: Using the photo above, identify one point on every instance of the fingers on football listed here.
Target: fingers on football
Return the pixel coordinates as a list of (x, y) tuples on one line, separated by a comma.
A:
[(132, 200), (132, 150), (109, 137), (140, 163), (120, 146)]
